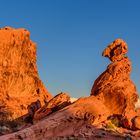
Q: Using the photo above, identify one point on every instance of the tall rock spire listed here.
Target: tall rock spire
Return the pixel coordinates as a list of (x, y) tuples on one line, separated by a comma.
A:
[(114, 86), (19, 80)]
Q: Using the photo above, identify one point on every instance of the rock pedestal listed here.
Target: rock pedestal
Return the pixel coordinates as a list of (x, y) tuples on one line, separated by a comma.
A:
[(114, 86)]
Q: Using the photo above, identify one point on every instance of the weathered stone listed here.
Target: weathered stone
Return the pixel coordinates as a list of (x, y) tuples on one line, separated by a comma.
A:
[(127, 118), (67, 121), (19, 81), (116, 50), (136, 123), (33, 107), (108, 114), (114, 86), (137, 105), (58, 102)]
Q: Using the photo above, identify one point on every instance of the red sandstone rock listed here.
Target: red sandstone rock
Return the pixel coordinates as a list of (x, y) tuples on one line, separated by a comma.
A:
[(138, 111), (19, 81), (58, 102), (81, 109), (127, 118), (114, 86), (82, 131), (136, 122), (114, 95), (116, 50), (67, 121), (33, 107), (131, 119)]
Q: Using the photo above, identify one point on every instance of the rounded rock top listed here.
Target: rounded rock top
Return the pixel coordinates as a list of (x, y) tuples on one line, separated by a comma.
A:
[(116, 50)]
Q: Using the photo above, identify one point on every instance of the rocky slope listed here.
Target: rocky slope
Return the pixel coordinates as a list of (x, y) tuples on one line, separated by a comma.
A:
[(109, 113), (86, 119), (19, 81), (83, 119)]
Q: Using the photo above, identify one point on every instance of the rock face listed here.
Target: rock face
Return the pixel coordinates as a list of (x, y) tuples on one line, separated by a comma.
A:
[(19, 81), (131, 119), (136, 122), (66, 122), (116, 50), (58, 102), (108, 114), (114, 86)]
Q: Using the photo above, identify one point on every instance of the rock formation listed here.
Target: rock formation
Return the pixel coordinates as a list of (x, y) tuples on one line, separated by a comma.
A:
[(66, 121), (116, 50), (58, 102), (19, 81), (109, 113), (84, 119), (114, 86)]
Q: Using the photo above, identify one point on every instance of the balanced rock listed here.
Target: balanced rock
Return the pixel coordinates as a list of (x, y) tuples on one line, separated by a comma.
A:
[(114, 86), (20, 83), (116, 50)]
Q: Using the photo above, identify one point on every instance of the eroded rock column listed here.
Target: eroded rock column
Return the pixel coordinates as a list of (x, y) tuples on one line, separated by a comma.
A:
[(19, 81), (114, 86)]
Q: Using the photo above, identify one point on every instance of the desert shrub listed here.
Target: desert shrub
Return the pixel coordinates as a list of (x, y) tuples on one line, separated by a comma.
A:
[(115, 121), (111, 126)]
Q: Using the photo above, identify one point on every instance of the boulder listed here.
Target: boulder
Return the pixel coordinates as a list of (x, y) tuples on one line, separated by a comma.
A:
[(56, 103)]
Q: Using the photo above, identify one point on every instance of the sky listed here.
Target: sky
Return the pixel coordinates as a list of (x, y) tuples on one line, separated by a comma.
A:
[(71, 35)]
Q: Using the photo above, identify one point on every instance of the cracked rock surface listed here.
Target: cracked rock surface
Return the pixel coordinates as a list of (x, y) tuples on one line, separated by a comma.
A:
[(19, 80)]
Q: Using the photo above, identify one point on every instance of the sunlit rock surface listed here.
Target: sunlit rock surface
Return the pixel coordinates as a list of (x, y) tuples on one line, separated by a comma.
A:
[(19, 81), (116, 50), (114, 86), (109, 113), (137, 105)]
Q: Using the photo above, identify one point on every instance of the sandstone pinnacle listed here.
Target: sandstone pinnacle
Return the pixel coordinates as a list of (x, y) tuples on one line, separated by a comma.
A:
[(19, 80)]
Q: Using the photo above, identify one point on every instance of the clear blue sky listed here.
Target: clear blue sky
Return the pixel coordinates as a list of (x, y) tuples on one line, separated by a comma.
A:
[(71, 35)]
